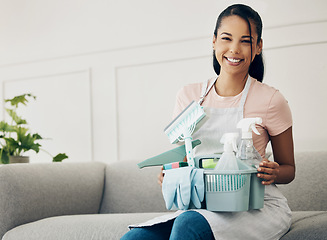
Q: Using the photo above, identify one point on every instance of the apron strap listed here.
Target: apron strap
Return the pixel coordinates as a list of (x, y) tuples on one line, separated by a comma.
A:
[(245, 92), (205, 90)]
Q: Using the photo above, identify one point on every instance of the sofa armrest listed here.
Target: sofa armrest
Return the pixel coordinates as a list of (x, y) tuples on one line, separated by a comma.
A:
[(29, 192)]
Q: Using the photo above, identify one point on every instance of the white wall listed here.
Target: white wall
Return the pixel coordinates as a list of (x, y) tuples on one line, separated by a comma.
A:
[(106, 72)]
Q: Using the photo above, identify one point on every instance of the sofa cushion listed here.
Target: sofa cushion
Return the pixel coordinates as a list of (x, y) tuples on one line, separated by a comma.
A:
[(30, 192), (308, 225), (79, 227), (129, 189), (308, 191)]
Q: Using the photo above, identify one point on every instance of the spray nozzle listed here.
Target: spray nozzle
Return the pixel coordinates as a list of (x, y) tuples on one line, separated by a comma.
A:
[(229, 141), (248, 125)]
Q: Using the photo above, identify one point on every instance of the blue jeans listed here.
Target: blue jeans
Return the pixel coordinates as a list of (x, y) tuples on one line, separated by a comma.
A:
[(189, 225)]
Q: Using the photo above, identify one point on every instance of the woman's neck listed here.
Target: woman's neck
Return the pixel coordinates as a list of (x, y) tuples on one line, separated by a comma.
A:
[(230, 85)]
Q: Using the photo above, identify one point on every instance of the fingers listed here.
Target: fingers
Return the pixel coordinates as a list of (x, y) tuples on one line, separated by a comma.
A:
[(160, 177), (268, 171)]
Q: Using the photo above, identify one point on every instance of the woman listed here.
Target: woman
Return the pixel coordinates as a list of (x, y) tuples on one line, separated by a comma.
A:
[(237, 92)]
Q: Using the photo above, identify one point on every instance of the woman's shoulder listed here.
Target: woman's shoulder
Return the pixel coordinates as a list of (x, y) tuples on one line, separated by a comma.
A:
[(266, 93), (267, 102), (192, 87), (263, 87), (264, 99), (188, 93), (191, 91)]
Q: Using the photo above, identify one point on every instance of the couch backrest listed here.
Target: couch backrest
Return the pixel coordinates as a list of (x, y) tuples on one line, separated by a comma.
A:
[(30, 192), (308, 191), (129, 189)]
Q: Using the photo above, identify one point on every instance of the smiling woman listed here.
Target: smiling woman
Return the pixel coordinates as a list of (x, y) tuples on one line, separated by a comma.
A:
[(236, 93), (234, 50), (242, 22)]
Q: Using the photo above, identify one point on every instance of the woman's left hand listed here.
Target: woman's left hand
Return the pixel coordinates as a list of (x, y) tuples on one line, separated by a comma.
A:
[(268, 171)]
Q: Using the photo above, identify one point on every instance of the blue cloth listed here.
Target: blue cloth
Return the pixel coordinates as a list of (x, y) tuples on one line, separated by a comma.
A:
[(189, 225), (181, 185)]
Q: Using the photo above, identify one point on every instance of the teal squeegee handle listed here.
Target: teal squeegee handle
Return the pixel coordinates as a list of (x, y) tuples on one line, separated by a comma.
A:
[(189, 148), (174, 155)]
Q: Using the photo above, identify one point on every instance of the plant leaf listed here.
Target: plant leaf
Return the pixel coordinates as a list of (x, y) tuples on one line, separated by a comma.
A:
[(27, 142), (18, 120), (22, 140), (5, 127), (36, 136), (4, 158), (59, 157), (21, 132), (20, 99), (11, 145)]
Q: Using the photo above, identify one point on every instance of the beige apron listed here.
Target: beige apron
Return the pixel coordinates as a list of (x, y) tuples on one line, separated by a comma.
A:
[(270, 222), (217, 122)]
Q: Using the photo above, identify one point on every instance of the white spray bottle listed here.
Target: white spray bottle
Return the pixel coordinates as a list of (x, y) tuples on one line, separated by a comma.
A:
[(246, 151), (228, 160)]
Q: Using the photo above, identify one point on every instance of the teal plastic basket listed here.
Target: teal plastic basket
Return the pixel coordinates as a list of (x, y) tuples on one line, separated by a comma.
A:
[(257, 192), (233, 191)]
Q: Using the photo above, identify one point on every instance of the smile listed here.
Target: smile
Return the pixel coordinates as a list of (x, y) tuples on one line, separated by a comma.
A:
[(234, 60)]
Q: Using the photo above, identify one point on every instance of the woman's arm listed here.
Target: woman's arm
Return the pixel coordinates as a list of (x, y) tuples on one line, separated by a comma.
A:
[(281, 171)]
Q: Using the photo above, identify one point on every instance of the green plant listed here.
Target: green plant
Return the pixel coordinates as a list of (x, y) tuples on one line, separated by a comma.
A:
[(15, 137)]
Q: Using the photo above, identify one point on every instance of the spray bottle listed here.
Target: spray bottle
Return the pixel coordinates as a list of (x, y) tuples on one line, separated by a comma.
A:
[(228, 159), (247, 151)]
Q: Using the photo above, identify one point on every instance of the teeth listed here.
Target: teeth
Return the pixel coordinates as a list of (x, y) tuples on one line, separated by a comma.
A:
[(233, 60)]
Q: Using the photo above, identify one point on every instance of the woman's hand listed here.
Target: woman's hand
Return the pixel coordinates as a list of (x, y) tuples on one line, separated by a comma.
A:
[(161, 174), (160, 177), (268, 171)]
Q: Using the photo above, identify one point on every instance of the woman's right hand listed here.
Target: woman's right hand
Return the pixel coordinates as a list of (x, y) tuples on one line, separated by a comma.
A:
[(160, 177)]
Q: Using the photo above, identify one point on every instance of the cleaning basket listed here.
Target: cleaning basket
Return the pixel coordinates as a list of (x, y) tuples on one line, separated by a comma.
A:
[(233, 191)]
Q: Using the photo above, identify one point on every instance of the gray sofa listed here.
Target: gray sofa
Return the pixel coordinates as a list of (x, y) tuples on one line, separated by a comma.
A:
[(98, 201)]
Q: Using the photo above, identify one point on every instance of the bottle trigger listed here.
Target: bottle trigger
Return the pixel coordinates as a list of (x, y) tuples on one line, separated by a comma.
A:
[(255, 130)]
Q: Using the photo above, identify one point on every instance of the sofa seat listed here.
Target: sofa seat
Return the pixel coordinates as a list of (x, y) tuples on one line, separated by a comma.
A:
[(95, 201), (308, 225), (82, 227)]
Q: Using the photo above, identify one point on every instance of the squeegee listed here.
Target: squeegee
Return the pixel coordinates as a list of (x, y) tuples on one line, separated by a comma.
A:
[(174, 155), (182, 128)]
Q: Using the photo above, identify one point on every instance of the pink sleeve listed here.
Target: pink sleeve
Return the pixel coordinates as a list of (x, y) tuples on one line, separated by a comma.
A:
[(184, 98), (279, 116), (179, 104)]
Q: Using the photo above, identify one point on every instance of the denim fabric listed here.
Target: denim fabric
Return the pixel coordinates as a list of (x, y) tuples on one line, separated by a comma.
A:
[(189, 225)]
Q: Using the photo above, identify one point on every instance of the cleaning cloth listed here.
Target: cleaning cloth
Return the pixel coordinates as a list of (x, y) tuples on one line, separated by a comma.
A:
[(181, 185)]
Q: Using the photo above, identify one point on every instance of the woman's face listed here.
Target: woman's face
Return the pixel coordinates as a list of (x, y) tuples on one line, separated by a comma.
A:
[(233, 46)]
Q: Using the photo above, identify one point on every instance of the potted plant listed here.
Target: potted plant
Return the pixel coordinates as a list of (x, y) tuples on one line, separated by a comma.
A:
[(16, 138)]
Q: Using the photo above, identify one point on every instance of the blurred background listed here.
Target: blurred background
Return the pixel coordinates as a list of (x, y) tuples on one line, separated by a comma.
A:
[(106, 72)]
